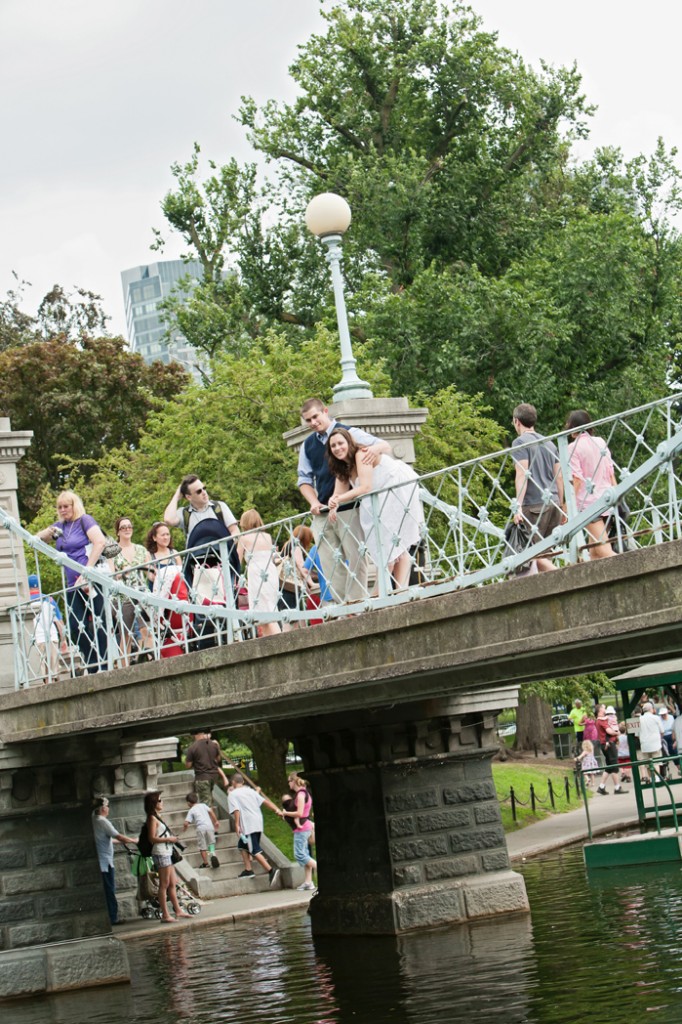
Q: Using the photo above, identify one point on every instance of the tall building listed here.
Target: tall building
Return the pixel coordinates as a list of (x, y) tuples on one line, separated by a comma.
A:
[(143, 289)]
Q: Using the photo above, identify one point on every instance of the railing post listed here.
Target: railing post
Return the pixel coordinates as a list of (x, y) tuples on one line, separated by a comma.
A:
[(112, 647), (229, 589), (532, 797), (551, 794), (383, 576), (569, 496), (512, 800)]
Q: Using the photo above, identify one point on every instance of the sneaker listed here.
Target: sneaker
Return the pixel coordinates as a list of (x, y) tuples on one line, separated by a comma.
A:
[(273, 875), (306, 887), (247, 874), (601, 790), (215, 863), (202, 865), (619, 789)]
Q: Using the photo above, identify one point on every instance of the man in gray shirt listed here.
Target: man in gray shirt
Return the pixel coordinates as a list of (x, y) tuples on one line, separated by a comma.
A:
[(539, 483)]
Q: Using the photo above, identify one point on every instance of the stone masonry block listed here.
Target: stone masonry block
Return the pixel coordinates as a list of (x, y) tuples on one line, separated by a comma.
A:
[(22, 973), (469, 792), (407, 874), (426, 906), (399, 827), (82, 901), (417, 849), (399, 803), (33, 881), (58, 853), (33, 933), (481, 839), (501, 893), (87, 925), (440, 821), (478, 769), (13, 857), (12, 910), (454, 867), (89, 874), (498, 860), (101, 961), (486, 813)]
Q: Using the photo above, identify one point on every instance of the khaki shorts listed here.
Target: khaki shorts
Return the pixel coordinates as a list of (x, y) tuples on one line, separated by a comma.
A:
[(542, 519)]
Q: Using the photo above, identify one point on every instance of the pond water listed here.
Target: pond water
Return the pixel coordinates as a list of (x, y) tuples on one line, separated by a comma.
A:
[(604, 951)]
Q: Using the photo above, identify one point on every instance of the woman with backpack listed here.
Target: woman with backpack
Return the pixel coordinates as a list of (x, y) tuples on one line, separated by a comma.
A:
[(160, 842)]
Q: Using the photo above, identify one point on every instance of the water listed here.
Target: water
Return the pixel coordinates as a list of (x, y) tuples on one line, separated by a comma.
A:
[(603, 951)]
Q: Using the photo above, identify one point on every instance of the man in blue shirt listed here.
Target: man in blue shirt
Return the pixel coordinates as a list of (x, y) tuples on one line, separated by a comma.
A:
[(347, 577)]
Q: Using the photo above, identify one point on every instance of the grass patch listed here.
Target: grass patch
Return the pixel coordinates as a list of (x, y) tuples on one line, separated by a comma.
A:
[(520, 777), (278, 832)]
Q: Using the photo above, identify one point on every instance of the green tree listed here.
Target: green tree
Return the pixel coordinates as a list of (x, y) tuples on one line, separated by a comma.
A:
[(479, 253), (80, 400), (534, 728)]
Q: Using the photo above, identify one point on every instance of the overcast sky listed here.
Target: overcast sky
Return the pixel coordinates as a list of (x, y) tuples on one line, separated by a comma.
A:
[(99, 97)]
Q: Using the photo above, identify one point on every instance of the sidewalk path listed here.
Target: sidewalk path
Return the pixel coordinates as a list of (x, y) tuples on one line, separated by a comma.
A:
[(227, 910), (607, 813)]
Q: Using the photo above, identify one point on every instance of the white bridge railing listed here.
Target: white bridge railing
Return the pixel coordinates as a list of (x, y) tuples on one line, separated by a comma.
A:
[(462, 515)]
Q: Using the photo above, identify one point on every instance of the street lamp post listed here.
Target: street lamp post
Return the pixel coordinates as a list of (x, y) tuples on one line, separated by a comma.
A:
[(328, 216)]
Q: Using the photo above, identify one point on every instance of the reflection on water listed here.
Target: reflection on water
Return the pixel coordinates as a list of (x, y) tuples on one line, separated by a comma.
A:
[(603, 951)]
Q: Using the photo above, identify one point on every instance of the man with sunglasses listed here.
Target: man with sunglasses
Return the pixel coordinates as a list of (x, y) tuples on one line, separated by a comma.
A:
[(205, 524), (199, 509)]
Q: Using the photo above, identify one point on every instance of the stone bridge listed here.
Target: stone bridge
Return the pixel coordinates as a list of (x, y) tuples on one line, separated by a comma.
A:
[(394, 713)]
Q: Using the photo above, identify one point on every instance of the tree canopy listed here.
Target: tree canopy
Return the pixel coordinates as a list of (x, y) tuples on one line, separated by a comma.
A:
[(480, 254), (81, 399)]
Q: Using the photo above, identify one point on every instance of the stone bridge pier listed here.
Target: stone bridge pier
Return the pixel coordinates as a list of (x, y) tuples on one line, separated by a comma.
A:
[(54, 929), (407, 821)]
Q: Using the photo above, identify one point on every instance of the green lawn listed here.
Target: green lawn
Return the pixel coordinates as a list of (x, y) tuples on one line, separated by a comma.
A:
[(520, 776), (278, 832)]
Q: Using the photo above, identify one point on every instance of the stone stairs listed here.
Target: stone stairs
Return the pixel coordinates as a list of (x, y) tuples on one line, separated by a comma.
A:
[(212, 883)]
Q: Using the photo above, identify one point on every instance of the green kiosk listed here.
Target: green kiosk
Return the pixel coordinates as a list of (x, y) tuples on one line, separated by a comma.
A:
[(659, 804)]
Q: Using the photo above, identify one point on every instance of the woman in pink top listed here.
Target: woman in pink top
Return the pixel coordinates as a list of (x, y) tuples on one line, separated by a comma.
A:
[(592, 472)]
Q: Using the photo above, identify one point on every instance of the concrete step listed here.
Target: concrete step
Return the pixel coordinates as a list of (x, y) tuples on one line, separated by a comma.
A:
[(239, 886), (226, 855)]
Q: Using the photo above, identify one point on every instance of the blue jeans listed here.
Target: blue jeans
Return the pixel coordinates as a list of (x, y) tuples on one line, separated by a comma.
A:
[(89, 635), (109, 883)]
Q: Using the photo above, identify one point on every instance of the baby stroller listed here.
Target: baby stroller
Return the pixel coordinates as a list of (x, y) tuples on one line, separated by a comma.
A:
[(175, 628), (142, 869)]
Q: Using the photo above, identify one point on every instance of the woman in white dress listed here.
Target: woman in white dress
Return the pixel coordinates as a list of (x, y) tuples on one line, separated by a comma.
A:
[(399, 510), (262, 575)]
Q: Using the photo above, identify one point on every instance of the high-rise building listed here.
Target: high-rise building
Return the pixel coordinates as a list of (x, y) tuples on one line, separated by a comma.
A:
[(143, 289)]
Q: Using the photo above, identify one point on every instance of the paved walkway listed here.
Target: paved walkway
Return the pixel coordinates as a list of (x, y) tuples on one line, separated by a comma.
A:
[(227, 910), (608, 814)]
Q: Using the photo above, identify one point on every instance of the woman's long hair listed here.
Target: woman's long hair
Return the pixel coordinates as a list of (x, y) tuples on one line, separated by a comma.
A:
[(151, 799), (72, 497), (304, 536), (150, 542), (578, 418), (340, 469)]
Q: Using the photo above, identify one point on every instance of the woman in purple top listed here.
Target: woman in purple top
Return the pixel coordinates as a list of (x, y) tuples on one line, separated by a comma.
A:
[(77, 535)]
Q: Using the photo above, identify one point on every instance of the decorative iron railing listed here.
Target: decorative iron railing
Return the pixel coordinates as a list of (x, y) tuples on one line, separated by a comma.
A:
[(455, 524)]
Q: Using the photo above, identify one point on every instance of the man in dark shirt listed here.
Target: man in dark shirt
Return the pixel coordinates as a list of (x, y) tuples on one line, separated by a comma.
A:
[(205, 757)]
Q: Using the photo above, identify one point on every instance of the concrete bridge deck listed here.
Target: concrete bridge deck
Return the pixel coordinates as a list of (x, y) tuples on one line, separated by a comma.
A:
[(583, 618)]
